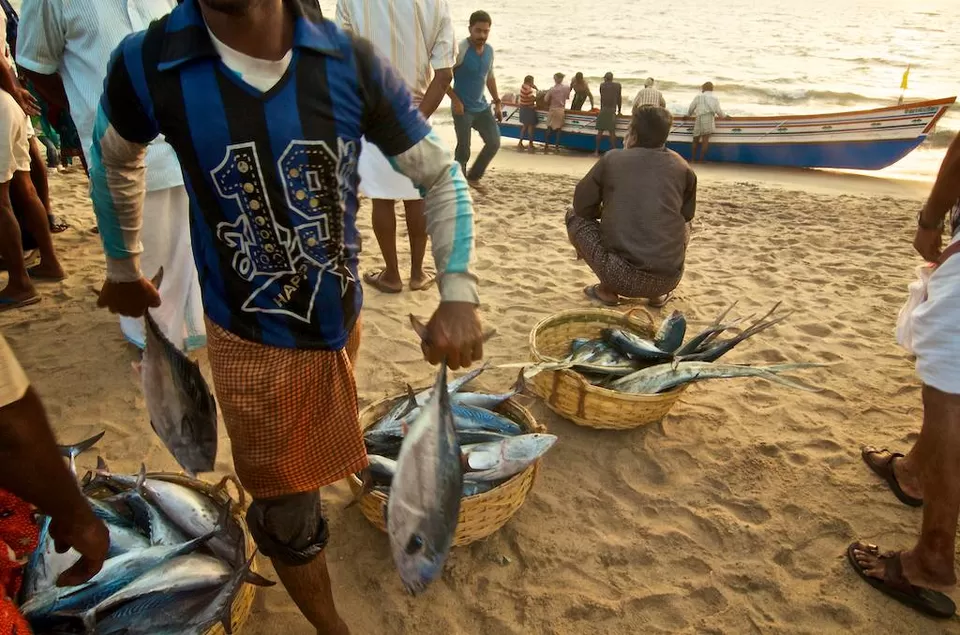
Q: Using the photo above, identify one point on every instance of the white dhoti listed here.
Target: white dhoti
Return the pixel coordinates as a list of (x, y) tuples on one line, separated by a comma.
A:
[(378, 179), (166, 243), (936, 329)]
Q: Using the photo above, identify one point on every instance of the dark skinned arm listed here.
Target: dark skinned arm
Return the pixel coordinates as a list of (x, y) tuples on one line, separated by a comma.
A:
[(439, 85), (50, 87), (928, 240)]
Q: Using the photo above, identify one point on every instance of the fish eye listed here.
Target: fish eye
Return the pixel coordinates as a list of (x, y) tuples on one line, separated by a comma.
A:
[(415, 544)]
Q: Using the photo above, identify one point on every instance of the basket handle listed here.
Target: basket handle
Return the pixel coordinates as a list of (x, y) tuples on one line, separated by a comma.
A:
[(221, 488), (631, 315)]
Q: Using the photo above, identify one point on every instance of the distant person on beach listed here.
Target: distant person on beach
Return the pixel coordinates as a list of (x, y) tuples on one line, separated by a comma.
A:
[(705, 107), (472, 77), (417, 37), (64, 49), (611, 105), (266, 104), (630, 215), (528, 112), (581, 92), (556, 111), (649, 96), (929, 474), (15, 182)]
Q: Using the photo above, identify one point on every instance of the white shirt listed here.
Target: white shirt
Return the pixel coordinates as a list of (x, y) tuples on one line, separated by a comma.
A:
[(705, 104), (414, 35), (75, 39)]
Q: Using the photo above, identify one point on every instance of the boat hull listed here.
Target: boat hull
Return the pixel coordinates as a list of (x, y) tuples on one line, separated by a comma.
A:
[(862, 140)]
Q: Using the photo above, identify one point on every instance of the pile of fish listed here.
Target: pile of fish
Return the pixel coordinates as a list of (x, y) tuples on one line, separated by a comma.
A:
[(176, 562), (430, 451), (626, 361), (493, 447)]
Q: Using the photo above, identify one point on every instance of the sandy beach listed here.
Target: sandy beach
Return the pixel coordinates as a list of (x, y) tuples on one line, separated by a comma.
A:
[(733, 519)]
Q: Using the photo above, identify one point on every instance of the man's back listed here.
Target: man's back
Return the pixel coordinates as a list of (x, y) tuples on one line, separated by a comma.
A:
[(557, 96), (649, 196), (649, 96), (610, 93), (414, 35)]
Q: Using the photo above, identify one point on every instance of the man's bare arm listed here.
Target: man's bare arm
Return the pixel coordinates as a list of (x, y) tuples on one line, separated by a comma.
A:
[(439, 86), (946, 190)]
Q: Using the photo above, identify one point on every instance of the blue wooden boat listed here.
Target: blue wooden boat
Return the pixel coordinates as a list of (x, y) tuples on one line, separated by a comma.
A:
[(858, 140)]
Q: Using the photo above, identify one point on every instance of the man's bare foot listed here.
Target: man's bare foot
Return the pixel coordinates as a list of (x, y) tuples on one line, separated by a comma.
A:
[(938, 576), (18, 297), (421, 281), (383, 281), (882, 460), (47, 272)]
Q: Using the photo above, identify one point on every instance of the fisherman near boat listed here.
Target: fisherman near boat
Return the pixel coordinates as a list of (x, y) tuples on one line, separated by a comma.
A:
[(856, 140)]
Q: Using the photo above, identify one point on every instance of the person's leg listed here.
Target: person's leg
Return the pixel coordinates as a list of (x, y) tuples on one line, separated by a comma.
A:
[(385, 229), (694, 148), (596, 152), (462, 125), (19, 287), (486, 125), (417, 232), (37, 224), (38, 174), (930, 563), (704, 146)]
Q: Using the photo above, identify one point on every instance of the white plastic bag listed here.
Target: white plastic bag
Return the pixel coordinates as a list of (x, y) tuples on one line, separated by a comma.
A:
[(917, 294)]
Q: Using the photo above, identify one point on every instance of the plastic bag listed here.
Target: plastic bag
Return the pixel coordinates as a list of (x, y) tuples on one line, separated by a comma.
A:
[(917, 294)]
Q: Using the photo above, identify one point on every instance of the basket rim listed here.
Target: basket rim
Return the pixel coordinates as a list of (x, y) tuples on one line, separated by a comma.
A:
[(525, 412), (620, 316)]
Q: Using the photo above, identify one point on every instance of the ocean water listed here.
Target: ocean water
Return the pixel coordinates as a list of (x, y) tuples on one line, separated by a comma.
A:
[(765, 57)]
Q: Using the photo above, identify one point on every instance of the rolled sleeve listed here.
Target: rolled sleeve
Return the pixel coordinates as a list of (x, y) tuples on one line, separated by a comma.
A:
[(41, 36), (444, 52)]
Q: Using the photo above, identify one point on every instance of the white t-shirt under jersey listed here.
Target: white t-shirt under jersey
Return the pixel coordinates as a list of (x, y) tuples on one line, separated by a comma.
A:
[(261, 74)]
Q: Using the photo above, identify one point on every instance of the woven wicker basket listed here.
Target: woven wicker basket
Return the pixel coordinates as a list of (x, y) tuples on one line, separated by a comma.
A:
[(568, 394), (480, 515), (243, 603)]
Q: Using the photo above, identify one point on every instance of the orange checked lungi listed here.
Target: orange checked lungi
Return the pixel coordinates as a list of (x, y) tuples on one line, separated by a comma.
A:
[(291, 414)]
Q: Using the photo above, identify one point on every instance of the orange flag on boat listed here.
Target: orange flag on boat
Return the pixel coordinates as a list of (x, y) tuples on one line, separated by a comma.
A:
[(906, 76)]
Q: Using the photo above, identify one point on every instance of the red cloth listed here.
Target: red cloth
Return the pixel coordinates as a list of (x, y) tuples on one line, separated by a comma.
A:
[(19, 536)]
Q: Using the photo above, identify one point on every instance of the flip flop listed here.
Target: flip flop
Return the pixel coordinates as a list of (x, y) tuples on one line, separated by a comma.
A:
[(428, 282), (928, 601), (8, 304), (42, 278), (884, 469), (57, 224), (373, 279), (591, 292)]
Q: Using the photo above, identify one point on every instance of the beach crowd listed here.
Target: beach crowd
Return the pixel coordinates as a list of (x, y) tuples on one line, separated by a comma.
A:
[(228, 142)]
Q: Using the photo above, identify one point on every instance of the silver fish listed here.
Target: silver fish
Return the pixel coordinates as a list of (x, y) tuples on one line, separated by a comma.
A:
[(115, 574), (424, 503), (637, 347), (71, 451), (219, 609), (663, 377), (161, 530), (670, 335), (155, 613), (194, 513), (498, 461), (182, 411), (45, 565)]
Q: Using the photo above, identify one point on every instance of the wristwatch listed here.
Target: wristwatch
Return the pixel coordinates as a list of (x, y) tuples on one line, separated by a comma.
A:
[(920, 223)]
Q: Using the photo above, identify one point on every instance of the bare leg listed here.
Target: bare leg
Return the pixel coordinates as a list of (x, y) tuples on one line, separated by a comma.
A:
[(937, 454), (385, 229), (38, 174), (596, 152), (704, 146), (309, 587), (36, 222), (19, 286), (693, 151), (417, 230)]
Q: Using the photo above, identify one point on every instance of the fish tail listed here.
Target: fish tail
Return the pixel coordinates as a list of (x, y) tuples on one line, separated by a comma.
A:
[(254, 578), (157, 279), (521, 386), (366, 486), (71, 451)]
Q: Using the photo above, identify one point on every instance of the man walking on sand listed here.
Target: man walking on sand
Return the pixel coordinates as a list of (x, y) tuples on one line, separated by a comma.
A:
[(266, 103), (705, 108), (472, 77), (417, 37), (64, 49), (929, 475)]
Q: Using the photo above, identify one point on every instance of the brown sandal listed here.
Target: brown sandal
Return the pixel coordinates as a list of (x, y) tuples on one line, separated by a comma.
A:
[(895, 585)]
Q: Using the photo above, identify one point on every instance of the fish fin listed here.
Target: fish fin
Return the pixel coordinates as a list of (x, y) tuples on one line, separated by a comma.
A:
[(489, 335), (256, 579), (141, 479), (521, 386), (366, 486), (157, 279), (419, 328), (102, 465), (71, 451)]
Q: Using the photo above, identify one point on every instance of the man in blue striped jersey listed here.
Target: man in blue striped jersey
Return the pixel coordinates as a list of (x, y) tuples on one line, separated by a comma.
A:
[(265, 103)]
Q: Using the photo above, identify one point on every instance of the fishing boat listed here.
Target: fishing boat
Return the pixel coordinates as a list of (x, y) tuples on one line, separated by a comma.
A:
[(857, 140)]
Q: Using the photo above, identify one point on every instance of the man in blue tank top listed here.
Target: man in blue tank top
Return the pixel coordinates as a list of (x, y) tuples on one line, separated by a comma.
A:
[(472, 76)]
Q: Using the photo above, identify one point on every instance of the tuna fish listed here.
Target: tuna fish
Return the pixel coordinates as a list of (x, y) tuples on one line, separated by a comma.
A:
[(670, 335), (182, 411), (71, 451), (424, 502), (498, 461)]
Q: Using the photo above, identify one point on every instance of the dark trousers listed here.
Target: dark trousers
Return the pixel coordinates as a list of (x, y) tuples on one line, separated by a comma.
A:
[(486, 124)]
